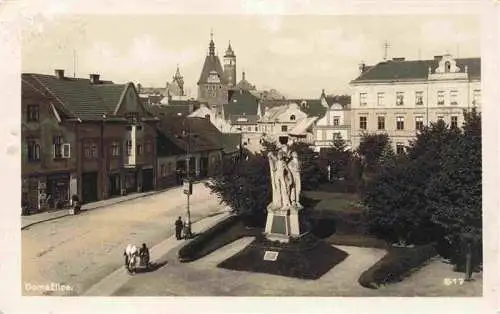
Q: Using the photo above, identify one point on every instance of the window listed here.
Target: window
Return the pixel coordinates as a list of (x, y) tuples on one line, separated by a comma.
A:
[(400, 123), (419, 123), (381, 122), (90, 150), (380, 99), (292, 117), (57, 142), (362, 123), (400, 98), (256, 129), (453, 97), (33, 150), (128, 147), (362, 99), (140, 149), (132, 117), (476, 97), (249, 128), (284, 128), (440, 118), (454, 122), (419, 98), (93, 150), (337, 136), (400, 148), (115, 149), (33, 114), (440, 98), (336, 121)]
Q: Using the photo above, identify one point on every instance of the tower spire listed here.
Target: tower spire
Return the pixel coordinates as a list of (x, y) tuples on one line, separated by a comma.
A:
[(211, 46)]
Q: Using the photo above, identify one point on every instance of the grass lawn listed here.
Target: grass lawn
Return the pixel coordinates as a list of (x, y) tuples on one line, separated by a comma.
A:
[(334, 202)]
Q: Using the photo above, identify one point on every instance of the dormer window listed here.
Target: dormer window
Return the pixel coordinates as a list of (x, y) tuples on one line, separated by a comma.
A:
[(292, 117)]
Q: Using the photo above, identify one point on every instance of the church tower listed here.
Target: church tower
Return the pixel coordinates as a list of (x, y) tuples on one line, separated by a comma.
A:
[(230, 66), (213, 85)]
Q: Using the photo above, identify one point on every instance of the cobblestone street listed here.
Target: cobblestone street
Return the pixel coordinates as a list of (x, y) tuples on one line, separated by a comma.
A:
[(79, 251)]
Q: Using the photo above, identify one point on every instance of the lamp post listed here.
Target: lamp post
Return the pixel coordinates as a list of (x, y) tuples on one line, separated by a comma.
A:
[(241, 143), (188, 185)]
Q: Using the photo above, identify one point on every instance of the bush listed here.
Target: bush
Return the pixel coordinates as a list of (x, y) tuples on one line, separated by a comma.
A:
[(221, 234), (397, 264)]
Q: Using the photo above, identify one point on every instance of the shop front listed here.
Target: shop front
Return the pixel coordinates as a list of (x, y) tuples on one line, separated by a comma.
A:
[(130, 182), (57, 190), (114, 187), (89, 187), (147, 179)]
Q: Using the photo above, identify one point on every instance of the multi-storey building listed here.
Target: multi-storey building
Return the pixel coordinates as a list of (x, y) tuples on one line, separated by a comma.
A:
[(399, 97), (84, 137), (335, 124)]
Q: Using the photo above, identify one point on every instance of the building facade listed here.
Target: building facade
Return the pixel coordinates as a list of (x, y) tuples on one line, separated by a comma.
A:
[(335, 124), (400, 97), (276, 123), (84, 137)]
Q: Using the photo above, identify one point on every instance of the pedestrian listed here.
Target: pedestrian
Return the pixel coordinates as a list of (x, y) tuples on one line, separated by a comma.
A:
[(178, 228)]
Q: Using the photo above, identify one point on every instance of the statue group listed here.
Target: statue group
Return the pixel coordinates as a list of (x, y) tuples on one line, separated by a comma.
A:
[(285, 179)]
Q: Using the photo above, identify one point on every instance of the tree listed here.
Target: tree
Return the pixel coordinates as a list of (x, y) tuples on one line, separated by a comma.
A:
[(454, 193), (373, 148), (312, 173), (245, 188)]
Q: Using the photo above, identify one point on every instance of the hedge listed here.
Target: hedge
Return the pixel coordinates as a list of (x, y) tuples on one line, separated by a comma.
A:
[(397, 264), (219, 235)]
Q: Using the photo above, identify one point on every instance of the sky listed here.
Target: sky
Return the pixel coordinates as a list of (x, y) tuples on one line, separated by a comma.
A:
[(298, 55)]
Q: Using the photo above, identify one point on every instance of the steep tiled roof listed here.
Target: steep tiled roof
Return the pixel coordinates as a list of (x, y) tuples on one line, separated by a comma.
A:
[(79, 97), (169, 110), (312, 107), (241, 102), (212, 63), (302, 126), (231, 142), (415, 69), (204, 136)]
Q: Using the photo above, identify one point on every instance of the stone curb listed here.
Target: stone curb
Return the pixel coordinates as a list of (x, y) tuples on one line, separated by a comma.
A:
[(64, 212), (120, 277)]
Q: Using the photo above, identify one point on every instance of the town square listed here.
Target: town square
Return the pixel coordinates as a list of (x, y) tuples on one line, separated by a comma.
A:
[(337, 159)]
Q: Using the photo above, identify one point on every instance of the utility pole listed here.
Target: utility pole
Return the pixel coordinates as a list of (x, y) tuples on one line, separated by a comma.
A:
[(74, 63), (387, 45)]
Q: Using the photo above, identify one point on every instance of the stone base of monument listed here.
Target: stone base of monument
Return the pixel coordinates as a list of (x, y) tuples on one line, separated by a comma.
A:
[(304, 257)]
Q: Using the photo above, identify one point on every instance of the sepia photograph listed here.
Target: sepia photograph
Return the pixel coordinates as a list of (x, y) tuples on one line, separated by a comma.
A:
[(248, 155)]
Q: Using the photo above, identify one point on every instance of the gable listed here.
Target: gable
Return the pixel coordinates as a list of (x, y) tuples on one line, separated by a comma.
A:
[(130, 102)]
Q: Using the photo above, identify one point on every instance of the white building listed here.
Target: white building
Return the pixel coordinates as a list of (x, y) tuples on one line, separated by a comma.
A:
[(221, 124), (399, 97), (276, 123), (334, 124)]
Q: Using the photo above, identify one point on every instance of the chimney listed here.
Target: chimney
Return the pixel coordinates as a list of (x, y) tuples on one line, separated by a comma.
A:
[(94, 78), (362, 67), (437, 58), (59, 74)]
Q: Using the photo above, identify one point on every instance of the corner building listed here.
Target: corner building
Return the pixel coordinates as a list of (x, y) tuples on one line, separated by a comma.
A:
[(400, 97)]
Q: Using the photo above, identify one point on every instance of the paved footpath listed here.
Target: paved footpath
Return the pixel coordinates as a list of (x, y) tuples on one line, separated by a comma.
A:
[(30, 220), (81, 250), (109, 285)]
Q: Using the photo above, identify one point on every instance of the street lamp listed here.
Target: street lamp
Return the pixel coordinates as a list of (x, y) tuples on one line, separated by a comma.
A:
[(187, 184)]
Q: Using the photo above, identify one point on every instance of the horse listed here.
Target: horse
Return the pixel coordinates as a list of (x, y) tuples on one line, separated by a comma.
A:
[(131, 254)]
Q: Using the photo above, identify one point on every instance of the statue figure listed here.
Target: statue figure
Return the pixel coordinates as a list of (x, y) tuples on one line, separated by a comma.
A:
[(276, 201), (294, 167), (283, 180)]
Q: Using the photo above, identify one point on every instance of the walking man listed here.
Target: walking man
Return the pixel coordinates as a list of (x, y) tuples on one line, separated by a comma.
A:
[(178, 228)]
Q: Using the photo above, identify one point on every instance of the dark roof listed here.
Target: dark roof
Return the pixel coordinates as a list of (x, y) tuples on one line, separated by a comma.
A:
[(415, 69), (212, 63), (311, 107), (241, 102), (251, 119), (78, 97), (231, 142), (204, 135)]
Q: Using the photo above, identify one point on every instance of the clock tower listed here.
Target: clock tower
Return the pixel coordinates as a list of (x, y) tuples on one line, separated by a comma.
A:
[(230, 66)]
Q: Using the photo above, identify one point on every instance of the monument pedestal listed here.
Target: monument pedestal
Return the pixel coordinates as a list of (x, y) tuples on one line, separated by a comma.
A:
[(283, 224)]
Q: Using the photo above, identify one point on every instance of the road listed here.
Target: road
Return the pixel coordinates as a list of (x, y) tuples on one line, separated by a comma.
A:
[(79, 251)]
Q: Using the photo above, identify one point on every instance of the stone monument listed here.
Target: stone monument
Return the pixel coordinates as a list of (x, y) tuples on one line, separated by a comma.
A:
[(282, 222)]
